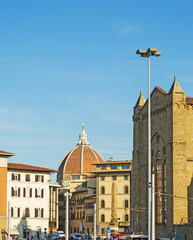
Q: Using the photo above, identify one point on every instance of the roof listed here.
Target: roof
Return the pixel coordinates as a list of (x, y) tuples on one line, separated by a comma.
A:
[(29, 167), (112, 170), (6, 153), (140, 101), (176, 87), (113, 162), (161, 90)]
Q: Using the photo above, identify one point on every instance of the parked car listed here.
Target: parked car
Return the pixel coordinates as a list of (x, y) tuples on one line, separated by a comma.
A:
[(78, 236), (53, 237), (60, 234)]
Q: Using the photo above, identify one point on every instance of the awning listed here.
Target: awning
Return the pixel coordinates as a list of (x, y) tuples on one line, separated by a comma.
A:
[(14, 232)]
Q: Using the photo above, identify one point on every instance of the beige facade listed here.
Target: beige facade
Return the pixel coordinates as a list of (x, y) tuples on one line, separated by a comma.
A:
[(172, 161), (81, 205), (113, 196), (53, 207)]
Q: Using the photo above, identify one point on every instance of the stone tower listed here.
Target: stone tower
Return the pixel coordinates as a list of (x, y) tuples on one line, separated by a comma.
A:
[(172, 161)]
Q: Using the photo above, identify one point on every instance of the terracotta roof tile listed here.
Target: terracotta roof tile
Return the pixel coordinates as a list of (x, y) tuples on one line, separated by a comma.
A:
[(6, 153), (28, 167)]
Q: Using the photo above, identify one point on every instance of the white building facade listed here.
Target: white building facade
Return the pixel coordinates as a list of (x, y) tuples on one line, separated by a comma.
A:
[(28, 194)]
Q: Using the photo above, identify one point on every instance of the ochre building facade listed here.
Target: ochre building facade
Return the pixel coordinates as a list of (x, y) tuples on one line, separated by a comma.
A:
[(172, 162)]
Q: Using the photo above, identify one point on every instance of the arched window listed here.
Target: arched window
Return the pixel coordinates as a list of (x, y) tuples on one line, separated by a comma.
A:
[(126, 189), (102, 190), (102, 218), (102, 204), (126, 217), (164, 150), (126, 204), (158, 139)]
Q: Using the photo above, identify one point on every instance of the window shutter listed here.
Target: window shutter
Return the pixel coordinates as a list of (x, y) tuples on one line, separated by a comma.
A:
[(19, 177), (42, 178), (23, 192), (30, 192), (36, 192), (18, 192), (42, 193), (36, 178), (18, 212), (12, 176), (11, 212), (42, 212), (12, 192)]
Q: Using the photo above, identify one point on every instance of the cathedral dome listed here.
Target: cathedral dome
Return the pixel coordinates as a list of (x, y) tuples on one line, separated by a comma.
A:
[(79, 159)]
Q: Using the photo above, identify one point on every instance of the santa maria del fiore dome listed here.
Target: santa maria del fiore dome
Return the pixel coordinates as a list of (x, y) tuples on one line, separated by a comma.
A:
[(78, 161)]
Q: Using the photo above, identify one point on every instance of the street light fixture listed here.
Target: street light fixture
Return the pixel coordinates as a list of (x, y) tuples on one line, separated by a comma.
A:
[(151, 224)]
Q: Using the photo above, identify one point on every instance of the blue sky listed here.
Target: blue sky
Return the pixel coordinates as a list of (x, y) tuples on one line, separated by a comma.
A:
[(65, 63)]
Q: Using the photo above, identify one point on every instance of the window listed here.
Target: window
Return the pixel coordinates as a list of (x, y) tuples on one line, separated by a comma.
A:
[(126, 204), (102, 218), (15, 212), (38, 178), (27, 212), (76, 177), (27, 178), (102, 178), (84, 184), (102, 190), (103, 167), (113, 166), (159, 155), (114, 177), (126, 177), (15, 177), (39, 193), (126, 166), (15, 192), (39, 212), (126, 189), (126, 217), (27, 192), (164, 150), (158, 139), (102, 204), (102, 230)]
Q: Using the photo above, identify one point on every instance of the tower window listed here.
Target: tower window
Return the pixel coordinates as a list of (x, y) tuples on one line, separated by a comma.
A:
[(102, 190)]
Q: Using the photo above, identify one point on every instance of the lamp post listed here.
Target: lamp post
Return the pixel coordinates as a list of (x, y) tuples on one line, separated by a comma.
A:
[(151, 225), (67, 194)]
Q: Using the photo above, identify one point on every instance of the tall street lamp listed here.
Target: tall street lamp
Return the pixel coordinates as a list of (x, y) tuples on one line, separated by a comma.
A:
[(67, 194), (151, 225)]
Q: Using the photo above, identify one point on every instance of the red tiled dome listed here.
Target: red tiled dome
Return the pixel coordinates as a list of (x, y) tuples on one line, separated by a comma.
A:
[(80, 159)]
